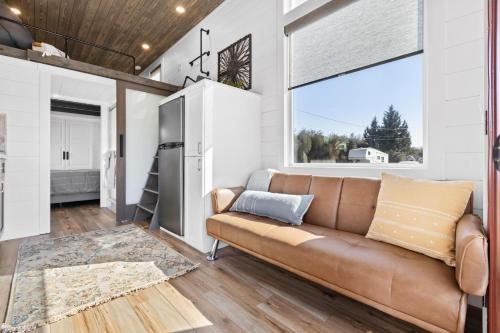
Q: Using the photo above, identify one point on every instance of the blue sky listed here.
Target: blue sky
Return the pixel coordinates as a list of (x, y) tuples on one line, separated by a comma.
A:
[(347, 104)]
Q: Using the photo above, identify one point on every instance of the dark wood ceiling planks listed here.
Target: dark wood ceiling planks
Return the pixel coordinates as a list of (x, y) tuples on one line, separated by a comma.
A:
[(122, 25)]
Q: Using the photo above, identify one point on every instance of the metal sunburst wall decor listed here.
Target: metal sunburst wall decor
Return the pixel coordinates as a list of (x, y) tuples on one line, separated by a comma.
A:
[(235, 64)]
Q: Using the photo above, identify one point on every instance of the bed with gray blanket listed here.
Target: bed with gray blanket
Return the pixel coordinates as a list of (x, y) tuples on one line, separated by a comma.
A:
[(74, 185)]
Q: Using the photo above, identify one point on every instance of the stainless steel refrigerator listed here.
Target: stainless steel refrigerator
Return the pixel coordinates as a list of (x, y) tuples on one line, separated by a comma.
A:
[(171, 166)]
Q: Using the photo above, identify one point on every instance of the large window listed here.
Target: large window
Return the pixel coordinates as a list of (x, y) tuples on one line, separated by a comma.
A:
[(356, 84)]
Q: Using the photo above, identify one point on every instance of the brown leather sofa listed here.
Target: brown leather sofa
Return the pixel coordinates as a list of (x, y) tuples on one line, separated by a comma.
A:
[(329, 248)]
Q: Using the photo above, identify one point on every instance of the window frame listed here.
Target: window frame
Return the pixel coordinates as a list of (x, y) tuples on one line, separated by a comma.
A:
[(301, 12)]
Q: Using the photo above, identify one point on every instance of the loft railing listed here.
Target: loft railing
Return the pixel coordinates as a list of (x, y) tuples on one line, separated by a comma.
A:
[(68, 38)]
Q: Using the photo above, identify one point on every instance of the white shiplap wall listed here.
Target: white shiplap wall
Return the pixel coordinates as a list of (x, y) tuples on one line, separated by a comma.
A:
[(19, 99), (464, 105), (454, 44), (25, 92)]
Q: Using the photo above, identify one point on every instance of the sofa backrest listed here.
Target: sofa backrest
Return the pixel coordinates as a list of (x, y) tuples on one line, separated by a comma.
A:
[(290, 184), (346, 204), (357, 204)]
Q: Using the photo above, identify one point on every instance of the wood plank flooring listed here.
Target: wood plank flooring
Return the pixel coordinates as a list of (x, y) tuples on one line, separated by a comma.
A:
[(237, 293)]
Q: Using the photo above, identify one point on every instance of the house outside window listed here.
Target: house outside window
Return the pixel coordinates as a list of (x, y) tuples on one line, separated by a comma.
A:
[(356, 93)]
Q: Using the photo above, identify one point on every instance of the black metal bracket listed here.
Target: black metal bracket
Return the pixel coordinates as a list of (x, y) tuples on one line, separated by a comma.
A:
[(68, 38), (200, 57), (185, 81)]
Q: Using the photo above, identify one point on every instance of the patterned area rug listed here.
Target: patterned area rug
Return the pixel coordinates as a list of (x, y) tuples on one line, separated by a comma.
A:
[(59, 277)]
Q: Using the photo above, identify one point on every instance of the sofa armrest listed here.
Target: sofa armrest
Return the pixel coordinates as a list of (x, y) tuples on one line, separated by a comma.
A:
[(223, 198), (472, 256)]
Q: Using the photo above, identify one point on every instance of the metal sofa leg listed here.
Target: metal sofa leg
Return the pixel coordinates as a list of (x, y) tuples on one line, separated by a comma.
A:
[(212, 256)]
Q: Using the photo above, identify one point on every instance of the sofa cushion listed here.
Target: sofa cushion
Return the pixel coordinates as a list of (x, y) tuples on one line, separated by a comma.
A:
[(326, 190), (403, 280), (323, 210), (357, 204), (242, 229), (290, 184), (420, 215)]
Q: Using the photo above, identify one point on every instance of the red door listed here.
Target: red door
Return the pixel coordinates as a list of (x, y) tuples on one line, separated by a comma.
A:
[(493, 173)]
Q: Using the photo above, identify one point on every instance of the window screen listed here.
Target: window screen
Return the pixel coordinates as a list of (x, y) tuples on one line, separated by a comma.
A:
[(353, 36)]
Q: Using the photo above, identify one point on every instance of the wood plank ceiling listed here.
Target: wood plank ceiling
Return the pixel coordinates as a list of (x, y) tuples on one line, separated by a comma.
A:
[(122, 25)]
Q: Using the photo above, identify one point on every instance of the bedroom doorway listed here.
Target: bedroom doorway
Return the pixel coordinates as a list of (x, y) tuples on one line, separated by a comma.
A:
[(82, 149)]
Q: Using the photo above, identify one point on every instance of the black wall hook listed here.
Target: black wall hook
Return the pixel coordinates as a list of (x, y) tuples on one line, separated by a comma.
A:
[(200, 57)]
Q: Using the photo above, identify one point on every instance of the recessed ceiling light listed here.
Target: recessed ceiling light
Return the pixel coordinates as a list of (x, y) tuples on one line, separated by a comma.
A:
[(138, 68), (15, 10), (146, 46), (180, 9)]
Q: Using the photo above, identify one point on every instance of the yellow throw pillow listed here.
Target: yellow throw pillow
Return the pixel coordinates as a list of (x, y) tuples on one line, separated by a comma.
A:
[(420, 215)]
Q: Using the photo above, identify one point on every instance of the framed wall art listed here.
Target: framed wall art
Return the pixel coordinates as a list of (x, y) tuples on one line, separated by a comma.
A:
[(235, 64)]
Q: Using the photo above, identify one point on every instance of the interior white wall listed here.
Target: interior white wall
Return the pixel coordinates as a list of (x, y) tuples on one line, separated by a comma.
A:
[(19, 100), (141, 140), (454, 43)]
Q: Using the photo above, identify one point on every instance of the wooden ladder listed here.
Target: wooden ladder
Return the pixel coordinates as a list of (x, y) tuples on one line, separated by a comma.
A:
[(147, 208)]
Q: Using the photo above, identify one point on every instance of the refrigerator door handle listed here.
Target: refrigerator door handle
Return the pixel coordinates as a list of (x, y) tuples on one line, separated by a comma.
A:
[(199, 164), (199, 148)]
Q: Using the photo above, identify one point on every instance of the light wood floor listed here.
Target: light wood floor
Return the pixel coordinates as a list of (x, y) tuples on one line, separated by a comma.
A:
[(237, 293)]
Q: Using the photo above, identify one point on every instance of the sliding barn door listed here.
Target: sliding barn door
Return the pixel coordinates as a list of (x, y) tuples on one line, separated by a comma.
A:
[(137, 116)]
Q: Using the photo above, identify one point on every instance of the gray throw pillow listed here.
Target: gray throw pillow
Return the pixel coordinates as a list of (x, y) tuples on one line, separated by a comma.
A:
[(288, 208)]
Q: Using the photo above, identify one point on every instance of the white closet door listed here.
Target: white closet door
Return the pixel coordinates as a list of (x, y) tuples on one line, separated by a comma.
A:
[(194, 220), (79, 144), (57, 144), (193, 115)]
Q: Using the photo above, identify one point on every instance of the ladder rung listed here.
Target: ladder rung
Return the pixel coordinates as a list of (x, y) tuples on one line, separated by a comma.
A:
[(150, 190), (147, 209)]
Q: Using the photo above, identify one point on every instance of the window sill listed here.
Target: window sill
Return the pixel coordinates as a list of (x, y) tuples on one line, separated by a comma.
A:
[(355, 166)]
